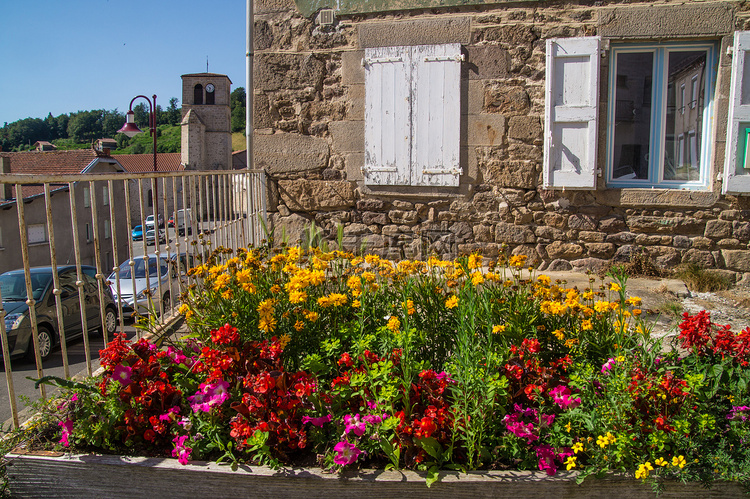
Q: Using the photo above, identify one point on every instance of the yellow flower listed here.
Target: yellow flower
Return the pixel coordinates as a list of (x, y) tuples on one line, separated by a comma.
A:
[(475, 261), (517, 261), (284, 340), (679, 461), (221, 281), (577, 447), (409, 306), (601, 306), (477, 278), (297, 297), (311, 316), (568, 427), (497, 329), (613, 286), (299, 325), (265, 307), (267, 324), (356, 304), (603, 441), (559, 334), (452, 302), (644, 470), (544, 280), (661, 462), (587, 325), (637, 311), (570, 463), (227, 295), (635, 301), (275, 289), (611, 438), (394, 324)]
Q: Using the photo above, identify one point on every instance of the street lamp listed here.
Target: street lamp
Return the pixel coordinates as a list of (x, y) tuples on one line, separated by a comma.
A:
[(131, 130)]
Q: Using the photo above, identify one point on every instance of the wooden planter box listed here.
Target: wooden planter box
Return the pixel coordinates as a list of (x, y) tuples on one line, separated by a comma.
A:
[(49, 474)]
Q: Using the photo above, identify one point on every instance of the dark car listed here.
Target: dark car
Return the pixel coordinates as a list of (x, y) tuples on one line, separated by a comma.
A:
[(18, 323)]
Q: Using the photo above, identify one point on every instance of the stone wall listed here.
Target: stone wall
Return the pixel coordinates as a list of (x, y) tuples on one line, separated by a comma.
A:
[(309, 136)]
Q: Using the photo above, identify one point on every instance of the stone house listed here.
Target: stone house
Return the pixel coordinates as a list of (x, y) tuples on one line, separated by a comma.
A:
[(575, 132), (87, 195)]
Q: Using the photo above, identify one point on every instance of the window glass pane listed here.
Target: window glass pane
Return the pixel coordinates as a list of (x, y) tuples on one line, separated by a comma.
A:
[(632, 115), (681, 160)]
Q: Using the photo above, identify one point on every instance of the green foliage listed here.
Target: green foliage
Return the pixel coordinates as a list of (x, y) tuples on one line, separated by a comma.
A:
[(168, 140), (237, 105)]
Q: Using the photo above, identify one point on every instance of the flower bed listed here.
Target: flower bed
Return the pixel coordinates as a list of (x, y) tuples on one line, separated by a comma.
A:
[(342, 362)]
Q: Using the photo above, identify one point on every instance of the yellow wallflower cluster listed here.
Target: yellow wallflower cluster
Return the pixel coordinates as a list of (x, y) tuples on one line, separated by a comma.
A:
[(332, 300), (605, 440), (266, 320), (451, 302), (643, 470), (394, 324)]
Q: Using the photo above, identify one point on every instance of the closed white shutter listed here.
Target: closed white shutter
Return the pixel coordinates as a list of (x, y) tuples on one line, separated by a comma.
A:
[(436, 114), (571, 111), (736, 168), (387, 116), (36, 233)]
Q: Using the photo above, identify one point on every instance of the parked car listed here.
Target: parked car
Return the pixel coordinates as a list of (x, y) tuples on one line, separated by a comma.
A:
[(151, 236), (137, 234), (135, 293), (184, 221), (150, 222), (18, 322)]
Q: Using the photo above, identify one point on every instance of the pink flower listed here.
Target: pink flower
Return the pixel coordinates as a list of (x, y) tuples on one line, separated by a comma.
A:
[(181, 451), (209, 396), (67, 429), (561, 395), (546, 455), (354, 425), (346, 453), (319, 422), (122, 374), (167, 416), (608, 366), (176, 355)]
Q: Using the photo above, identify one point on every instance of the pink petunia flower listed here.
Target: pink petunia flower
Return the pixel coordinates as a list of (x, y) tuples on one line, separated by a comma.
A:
[(181, 451), (319, 422), (122, 374), (67, 429), (608, 366), (346, 453), (354, 425)]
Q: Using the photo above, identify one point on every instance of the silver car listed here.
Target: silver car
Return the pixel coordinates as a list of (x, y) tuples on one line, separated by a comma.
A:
[(144, 297)]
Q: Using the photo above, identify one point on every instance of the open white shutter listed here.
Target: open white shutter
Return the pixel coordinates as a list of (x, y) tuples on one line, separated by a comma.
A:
[(736, 172), (571, 111), (436, 114), (387, 111)]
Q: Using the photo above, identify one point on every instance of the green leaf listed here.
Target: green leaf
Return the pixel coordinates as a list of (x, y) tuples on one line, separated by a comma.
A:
[(62, 383), (432, 447), (433, 475)]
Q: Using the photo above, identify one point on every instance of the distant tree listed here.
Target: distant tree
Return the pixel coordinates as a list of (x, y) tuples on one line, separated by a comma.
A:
[(173, 112), (237, 103), (85, 126), (141, 115), (111, 122)]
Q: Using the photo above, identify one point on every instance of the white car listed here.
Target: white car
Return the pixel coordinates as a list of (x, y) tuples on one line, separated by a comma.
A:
[(151, 237), (139, 293), (150, 222)]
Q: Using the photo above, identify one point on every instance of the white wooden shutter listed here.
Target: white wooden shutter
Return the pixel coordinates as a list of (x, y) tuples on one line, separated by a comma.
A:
[(387, 116), (436, 114), (571, 111), (736, 173)]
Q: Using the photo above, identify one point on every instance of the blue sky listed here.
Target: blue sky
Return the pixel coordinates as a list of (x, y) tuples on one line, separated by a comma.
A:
[(63, 56)]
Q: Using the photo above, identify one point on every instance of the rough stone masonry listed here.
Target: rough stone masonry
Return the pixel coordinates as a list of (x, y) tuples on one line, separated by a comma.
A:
[(309, 98)]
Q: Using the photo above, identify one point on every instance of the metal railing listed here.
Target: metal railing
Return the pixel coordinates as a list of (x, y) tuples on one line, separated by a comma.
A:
[(88, 219)]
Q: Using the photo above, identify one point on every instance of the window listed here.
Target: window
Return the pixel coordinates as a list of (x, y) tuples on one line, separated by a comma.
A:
[(661, 141), (150, 199), (694, 92), (86, 197), (36, 233), (1, 237), (198, 94), (210, 96), (412, 115), (88, 233), (106, 229), (105, 195)]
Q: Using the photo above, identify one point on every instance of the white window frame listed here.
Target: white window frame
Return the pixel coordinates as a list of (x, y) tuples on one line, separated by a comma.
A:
[(413, 115), (659, 97), (682, 98), (107, 231), (736, 174), (105, 195), (86, 197), (36, 233)]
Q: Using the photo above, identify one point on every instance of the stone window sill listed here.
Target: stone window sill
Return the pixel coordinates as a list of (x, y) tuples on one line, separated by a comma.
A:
[(657, 198)]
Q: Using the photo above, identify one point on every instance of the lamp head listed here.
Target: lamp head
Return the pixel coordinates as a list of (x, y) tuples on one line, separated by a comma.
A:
[(130, 128)]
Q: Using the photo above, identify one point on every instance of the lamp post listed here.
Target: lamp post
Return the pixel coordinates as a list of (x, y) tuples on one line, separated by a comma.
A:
[(131, 130)]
